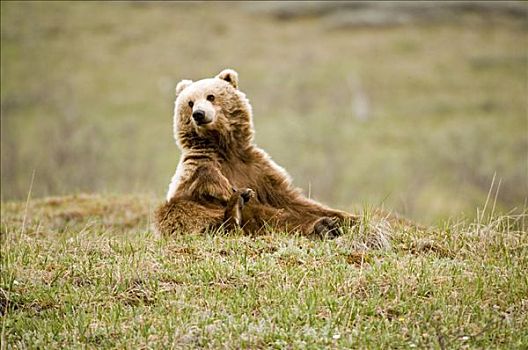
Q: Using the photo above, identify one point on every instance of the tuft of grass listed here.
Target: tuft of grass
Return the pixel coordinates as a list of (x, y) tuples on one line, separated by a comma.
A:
[(87, 272)]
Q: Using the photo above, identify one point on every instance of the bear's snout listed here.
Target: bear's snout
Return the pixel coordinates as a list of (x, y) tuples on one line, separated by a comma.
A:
[(199, 117)]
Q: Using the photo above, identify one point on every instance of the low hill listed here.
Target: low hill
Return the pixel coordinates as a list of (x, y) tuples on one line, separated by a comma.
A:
[(87, 271)]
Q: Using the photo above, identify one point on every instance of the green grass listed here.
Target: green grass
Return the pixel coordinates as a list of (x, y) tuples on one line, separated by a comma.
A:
[(87, 272), (87, 92)]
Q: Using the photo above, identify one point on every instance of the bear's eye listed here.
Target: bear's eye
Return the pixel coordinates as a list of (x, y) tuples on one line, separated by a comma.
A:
[(191, 104), (210, 98)]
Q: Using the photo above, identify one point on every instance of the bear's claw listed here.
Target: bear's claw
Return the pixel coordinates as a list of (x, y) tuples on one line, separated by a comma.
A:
[(247, 194), (327, 227)]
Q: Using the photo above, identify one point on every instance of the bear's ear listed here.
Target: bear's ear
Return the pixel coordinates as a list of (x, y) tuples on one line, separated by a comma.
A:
[(182, 85), (230, 76)]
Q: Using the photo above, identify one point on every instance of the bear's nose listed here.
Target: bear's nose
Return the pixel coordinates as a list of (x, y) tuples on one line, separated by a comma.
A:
[(199, 116)]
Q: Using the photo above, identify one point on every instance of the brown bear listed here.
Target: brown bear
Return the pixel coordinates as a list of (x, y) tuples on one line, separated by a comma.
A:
[(223, 179)]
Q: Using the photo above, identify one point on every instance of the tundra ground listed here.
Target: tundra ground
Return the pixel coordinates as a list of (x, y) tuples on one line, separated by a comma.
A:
[(86, 271)]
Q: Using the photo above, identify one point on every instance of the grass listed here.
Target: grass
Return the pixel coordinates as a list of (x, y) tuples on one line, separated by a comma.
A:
[(87, 272), (87, 93)]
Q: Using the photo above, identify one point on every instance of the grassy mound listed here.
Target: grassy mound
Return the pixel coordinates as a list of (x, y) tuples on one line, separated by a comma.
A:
[(86, 271)]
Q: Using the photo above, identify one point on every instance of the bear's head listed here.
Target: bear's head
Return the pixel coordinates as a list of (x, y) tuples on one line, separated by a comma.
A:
[(212, 114)]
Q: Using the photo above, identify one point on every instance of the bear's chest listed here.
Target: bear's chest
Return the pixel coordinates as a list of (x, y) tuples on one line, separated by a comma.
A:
[(240, 175)]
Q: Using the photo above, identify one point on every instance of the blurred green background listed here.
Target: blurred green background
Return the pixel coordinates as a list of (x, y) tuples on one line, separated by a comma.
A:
[(411, 106)]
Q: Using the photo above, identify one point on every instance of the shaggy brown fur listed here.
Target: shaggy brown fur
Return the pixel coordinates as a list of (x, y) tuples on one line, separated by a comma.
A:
[(224, 179)]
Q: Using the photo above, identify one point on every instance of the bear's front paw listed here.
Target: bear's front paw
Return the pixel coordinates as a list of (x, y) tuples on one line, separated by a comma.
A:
[(327, 227), (247, 194)]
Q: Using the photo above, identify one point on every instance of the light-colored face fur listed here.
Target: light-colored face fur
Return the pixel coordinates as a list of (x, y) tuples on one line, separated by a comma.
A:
[(211, 112)]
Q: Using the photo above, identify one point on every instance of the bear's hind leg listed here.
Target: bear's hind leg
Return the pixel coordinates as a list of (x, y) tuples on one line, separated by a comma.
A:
[(180, 216)]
